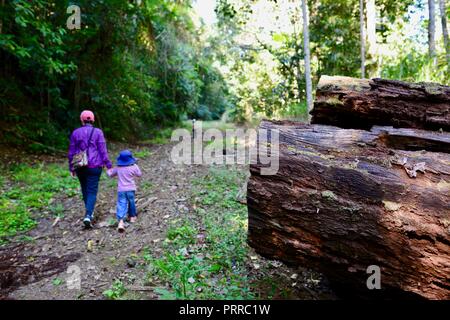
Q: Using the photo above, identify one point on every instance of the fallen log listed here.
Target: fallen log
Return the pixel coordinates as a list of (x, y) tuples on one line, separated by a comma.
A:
[(346, 199), (360, 103)]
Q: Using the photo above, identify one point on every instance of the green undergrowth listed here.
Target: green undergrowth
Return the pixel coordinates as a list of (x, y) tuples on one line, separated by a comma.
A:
[(26, 189), (161, 136), (204, 256), (116, 291), (142, 153)]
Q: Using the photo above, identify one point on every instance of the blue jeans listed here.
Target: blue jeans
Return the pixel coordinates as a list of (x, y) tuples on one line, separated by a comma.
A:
[(89, 178), (125, 204)]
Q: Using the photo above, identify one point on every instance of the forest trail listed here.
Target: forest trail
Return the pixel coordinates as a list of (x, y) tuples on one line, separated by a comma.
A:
[(102, 254), (38, 269)]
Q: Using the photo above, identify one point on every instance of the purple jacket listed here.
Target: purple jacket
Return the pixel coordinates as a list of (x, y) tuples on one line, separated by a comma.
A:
[(97, 153), (126, 177)]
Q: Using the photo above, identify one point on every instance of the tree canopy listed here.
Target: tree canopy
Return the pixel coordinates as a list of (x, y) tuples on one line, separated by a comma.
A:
[(144, 65)]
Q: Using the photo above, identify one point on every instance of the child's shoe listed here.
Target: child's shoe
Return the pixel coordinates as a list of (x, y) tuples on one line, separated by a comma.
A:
[(133, 219), (121, 226)]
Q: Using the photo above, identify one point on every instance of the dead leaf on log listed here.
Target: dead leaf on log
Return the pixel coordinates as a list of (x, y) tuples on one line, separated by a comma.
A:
[(412, 172)]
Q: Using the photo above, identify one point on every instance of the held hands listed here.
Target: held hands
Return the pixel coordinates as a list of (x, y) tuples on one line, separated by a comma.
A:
[(109, 172)]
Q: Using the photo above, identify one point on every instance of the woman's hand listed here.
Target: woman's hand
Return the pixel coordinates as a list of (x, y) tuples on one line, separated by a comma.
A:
[(73, 174)]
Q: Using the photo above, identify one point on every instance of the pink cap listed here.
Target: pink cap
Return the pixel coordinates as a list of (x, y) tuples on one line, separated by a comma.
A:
[(87, 115)]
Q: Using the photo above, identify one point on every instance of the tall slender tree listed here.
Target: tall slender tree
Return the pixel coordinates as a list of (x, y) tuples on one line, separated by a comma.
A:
[(363, 38), (372, 49), (443, 10), (307, 55), (432, 30), (371, 26)]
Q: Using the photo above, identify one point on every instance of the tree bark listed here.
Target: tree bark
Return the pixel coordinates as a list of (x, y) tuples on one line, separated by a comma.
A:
[(362, 38), (361, 103), (345, 199), (432, 30), (309, 99)]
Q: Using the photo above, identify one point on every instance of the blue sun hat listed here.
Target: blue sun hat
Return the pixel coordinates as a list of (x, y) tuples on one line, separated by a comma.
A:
[(125, 158)]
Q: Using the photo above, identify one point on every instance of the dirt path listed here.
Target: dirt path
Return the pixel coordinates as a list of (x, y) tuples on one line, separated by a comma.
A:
[(101, 254), (38, 269)]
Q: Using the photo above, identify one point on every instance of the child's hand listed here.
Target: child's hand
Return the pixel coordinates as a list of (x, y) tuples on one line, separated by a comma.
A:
[(109, 172)]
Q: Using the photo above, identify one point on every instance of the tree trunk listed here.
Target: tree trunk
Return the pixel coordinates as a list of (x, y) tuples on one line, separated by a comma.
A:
[(361, 103), (1, 20), (309, 100), (443, 10), (371, 13), (77, 90), (362, 38), (371, 28), (345, 199), (432, 30)]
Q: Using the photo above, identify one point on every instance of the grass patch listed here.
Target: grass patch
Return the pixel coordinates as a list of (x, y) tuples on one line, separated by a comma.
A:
[(213, 124), (160, 137), (57, 281), (183, 235), (142, 153), (205, 258), (57, 210), (116, 291), (29, 189), (146, 185)]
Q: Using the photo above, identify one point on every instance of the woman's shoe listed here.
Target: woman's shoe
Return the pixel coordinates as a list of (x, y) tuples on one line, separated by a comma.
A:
[(133, 219), (87, 223)]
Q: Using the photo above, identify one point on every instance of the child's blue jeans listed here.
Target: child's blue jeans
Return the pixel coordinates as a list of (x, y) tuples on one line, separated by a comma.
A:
[(125, 204)]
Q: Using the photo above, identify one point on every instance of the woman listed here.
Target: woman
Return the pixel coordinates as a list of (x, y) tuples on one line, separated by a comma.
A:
[(92, 141)]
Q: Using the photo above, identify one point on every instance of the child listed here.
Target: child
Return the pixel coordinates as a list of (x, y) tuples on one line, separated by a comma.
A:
[(126, 170)]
